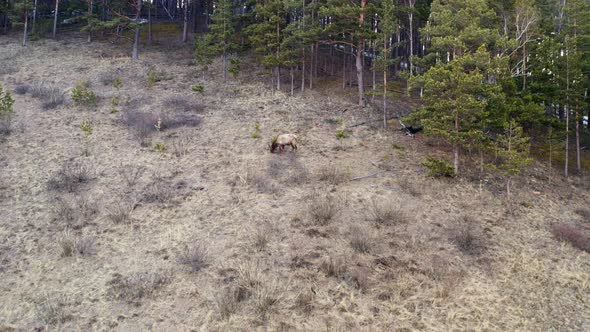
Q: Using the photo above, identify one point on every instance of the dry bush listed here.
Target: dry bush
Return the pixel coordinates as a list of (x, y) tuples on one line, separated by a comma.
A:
[(70, 210), (584, 213), (334, 266), (51, 96), (287, 168), (120, 213), (304, 301), (323, 208), (386, 212), (572, 233), (131, 174), (261, 182), (50, 310), (143, 124), (107, 77), (181, 145), (410, 186), (22, 88), (75, 245), (195, 256), (183, 103), (249, 277), (159, 191), (261, 237), (332, 175), (227, 301), (467, 237), (360, 239), (136, 286), (267, 295), (357, 278), (69, 177)]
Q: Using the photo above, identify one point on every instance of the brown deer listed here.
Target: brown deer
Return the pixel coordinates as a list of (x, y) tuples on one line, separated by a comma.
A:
[(280, 141)]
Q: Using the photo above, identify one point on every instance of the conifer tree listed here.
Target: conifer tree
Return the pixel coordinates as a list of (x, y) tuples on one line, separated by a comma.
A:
[(223, 31)]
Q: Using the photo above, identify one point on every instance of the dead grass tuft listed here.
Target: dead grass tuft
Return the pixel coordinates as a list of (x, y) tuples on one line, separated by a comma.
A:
[(267, 296), (385, 212), (136, 286), (410, 186), (120, 213), (227, 301), (334, 266), (51, 310), (22, 88), (51, 96), (332, 175), (71, 245), (69, 177), (195, 256), (131, 174), (261, 237), (573, 234), (584, 213), (360, 239), (357, 278), (323, 208), (158, 191), (467, 237), (304, 301)]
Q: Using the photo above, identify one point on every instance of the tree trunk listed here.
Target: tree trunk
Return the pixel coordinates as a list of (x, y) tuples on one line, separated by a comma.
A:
[(385, 51), (185, 27), (150, 37), (578, 158), (278, 73), (224, 57), (359, 72), (344, 61), (303, 72), (55, 18), (25, 29), (411, 37), (524, 67), (456, 147), (292, 82), (34, 17), (567, 140), (311, 68), (89, 13), (135, 54)]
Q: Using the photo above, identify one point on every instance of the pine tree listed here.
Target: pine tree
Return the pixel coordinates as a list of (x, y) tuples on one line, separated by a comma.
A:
[(223, 31), (513, 152)]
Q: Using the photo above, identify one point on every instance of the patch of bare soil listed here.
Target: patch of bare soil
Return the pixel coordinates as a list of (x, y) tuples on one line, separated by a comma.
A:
[(172, 214)]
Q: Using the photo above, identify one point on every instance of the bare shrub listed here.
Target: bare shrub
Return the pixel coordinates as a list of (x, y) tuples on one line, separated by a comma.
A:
[(131, 173), (70, 210), (142, 124), (136, 286), (184, 104), (22, 88), (334, 266), (181, 120), (158, 191), (250, 276), (357, 278), (108, 76), (261, 238), (50, 310), (120, 213), (467, 237), (323, 208), (195, 256), (410, 186), (572, 234), (84, 245), (181, 146), (69, 177), (385, 212), (71, 245), (584, 213), (360, 239), (50, 95), (304, 301), (332, 175), (267, 295), (67, 244), (227, 301)]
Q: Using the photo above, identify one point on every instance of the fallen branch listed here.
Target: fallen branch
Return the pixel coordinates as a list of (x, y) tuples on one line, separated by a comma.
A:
[(366, 176)]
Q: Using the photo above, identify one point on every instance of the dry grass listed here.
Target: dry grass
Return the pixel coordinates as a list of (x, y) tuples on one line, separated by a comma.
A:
[(573, 234), (50, 95), (136, 286), (334, 266), (386, 212), (70, 177), (131, 174), (51, 310), (584, 213), (195, 256), (324, 208), (227, 301), (467, 237), (410, 186), (332, 175), (120, 212), (361, 239), (71, 245)]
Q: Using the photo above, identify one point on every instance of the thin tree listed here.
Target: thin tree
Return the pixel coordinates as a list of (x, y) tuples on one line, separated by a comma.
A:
[(55, 15)]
